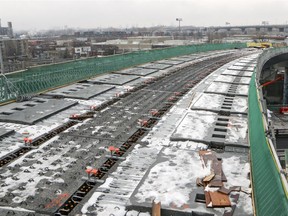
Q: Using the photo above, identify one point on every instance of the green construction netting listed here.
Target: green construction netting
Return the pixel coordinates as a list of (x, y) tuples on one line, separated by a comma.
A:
[(269, 195), (37, 79)]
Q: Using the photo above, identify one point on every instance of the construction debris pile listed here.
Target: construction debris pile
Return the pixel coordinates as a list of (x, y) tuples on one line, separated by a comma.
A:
[(216, 194)]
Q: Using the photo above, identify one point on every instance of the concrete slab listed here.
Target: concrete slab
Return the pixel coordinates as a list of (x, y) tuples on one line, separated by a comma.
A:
[(4, 132), (225, 88), (170, 62), (217, 103), (82, 91), (137, 71), (232, 79), (207, 127), (245, 61), (113, 79), (184, 58), (237, 73), (32, 111), (177, 193), (241, 68), (5, 211), (155, 66), (45, 174)]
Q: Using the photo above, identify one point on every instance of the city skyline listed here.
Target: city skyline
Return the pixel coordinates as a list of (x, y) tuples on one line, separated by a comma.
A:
[(90, 14)]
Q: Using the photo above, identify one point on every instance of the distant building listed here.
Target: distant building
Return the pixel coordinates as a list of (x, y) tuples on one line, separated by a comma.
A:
[(15, 53), (82, 51), (6, 32)]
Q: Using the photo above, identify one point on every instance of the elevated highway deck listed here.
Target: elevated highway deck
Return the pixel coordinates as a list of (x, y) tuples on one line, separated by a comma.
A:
[(137, 141)]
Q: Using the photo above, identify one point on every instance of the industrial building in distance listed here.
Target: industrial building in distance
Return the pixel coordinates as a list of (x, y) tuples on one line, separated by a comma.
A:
[(6, 32)]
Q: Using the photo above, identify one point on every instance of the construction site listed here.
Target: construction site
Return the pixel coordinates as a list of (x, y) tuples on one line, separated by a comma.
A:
[(182, 131)]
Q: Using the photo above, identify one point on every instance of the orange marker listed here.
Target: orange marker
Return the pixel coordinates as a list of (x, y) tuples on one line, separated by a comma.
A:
[(94, 171)]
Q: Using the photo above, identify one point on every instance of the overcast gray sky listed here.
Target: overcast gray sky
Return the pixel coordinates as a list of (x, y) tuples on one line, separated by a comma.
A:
[(46, 14)]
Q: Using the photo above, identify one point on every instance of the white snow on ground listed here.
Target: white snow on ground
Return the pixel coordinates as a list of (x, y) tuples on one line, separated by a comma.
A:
[(236, 172), (209, 101), (237, 129), (243, 89), (214, 101), (228, 78), (91, 102), (37, 130), (234, 72), (9, 146), (144, 157), (195, 125), (251, 68), (234, 67), (230, 72), (240, 104), (15, 209), (12, 181), (136, 213), (245, 204), (246, 73), (218, 87), (122, 183), (16, 141), (241, 63), (11, 126), (225, 78), (98, 195), (245, 80), (237, 175), (97, 128), (167, 181)]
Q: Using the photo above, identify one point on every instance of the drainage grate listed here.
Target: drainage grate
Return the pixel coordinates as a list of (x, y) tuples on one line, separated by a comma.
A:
[(218, 136), (220, 129)]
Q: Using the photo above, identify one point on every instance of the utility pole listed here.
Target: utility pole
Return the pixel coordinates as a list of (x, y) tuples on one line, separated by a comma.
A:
[(179, 20)]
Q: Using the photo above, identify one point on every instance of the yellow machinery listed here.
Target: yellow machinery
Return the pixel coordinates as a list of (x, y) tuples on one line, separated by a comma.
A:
[(259, 45)]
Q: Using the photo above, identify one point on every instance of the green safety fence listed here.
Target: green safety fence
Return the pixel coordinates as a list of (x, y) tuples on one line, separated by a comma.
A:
[(37, 79), (270, 197)]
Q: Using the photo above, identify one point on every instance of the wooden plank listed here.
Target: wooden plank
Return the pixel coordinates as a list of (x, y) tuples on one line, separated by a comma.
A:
[(207, 199), (224, 179), (219, 200), (228, 191), (216, 168), (199, 182), (156, 209), (209, 177), (235, 188), (224, 190), (215, 183)]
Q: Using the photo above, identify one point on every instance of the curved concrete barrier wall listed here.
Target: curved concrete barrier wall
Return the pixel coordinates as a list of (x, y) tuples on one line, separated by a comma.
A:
[(269, 184), (265, 56)]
